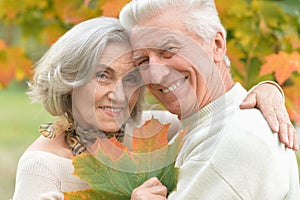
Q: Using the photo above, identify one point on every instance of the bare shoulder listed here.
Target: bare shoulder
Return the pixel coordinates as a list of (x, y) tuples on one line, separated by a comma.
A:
[(55, 146)]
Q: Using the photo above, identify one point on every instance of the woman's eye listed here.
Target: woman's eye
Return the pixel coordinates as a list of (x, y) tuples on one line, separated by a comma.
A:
[(132, 80), (103, 77)]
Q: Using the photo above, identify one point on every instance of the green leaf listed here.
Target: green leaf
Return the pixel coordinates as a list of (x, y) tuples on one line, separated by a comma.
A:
[(290, 6), (112, 171)]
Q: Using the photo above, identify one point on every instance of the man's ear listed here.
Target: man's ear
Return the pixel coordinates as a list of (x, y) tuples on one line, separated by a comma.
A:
[(219, 47)]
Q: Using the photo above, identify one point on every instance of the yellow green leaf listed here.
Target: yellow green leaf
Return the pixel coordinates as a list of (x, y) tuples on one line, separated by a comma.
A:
[(112, 172)]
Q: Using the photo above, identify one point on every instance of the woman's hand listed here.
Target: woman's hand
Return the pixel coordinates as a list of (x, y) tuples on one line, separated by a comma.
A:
[(152, 189), (269, 99)]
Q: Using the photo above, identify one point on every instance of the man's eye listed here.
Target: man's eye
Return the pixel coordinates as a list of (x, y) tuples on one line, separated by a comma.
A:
[(168, 52), (142, 61)]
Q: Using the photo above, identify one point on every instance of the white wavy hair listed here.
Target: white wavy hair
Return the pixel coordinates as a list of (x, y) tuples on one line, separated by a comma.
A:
[(71, 61), (199, 16)]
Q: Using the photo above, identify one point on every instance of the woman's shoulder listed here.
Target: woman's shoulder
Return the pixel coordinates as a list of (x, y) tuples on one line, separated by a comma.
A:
[(56, 146), (37, 162), (46, 158), (39, 155)]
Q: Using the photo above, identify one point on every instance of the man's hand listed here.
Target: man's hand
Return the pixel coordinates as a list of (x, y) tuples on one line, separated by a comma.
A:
[(268, 98), (152, 189)]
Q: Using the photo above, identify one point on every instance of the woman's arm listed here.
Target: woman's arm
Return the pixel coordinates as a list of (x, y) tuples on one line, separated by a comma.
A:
[(269, 98)]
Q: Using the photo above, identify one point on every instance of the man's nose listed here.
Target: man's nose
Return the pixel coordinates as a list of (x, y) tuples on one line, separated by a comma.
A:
[(158, 71)]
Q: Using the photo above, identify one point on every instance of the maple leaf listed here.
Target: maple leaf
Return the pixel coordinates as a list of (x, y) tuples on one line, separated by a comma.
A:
[(112, 171), (283, 64), (12, 68), (150, 137), (292, 94)]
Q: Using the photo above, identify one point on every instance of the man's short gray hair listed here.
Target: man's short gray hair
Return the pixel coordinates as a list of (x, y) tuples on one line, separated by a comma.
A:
[(199, 16)]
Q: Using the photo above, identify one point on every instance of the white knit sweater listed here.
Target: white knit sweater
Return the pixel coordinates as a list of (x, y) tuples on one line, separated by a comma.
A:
[(232, 154), (44, 176)]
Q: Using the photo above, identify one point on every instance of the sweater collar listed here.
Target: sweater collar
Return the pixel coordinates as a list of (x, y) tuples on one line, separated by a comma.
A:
[(219, 109)]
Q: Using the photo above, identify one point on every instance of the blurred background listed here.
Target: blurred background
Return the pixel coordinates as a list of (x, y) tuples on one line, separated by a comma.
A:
[(263, 44)]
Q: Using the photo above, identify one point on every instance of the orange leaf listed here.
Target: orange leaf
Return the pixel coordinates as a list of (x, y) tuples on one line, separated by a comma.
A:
[(113, 7), (6, 71), (12, 68), (292, 94), (150, 137), (2, 45), (110, 147), (114, 141), (282, 64)]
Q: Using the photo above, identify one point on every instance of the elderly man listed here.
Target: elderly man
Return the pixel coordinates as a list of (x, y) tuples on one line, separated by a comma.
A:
[(229, 153)]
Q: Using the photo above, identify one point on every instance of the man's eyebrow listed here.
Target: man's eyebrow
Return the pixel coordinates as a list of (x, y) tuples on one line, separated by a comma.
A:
[(161, 45), (138, 56), (167, 41)]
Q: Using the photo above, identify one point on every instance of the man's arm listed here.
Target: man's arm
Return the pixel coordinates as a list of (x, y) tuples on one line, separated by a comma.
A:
[(268, 97)]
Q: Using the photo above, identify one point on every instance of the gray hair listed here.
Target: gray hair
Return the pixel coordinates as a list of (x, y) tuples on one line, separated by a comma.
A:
[(71, 61), (200, 16)]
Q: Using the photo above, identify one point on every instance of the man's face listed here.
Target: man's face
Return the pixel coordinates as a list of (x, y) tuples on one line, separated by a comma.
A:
[(175, 65)]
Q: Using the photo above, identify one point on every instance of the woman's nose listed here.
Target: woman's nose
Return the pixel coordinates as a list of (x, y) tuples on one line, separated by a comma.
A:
[(117, 93)]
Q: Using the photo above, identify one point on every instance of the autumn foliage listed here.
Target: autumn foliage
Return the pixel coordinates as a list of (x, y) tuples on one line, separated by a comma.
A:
[(263, 37), (112, 171), (263, 44)]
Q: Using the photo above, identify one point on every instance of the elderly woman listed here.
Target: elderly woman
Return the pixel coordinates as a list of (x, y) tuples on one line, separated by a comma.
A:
[(88, 79)]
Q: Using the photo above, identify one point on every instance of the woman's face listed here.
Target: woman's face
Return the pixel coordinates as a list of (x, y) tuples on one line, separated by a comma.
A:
[(107, 100)]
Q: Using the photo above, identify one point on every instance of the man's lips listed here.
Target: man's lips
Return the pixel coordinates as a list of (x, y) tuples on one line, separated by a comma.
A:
[(174, 86)]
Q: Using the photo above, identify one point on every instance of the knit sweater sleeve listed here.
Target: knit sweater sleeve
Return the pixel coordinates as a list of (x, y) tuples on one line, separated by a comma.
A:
[(38, 176), (199, 180)]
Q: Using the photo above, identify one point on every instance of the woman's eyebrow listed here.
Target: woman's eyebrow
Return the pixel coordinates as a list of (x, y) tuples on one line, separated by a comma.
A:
[(104, 67)]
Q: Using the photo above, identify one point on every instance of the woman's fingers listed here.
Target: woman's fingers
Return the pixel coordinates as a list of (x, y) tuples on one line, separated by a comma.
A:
[(152, 189)]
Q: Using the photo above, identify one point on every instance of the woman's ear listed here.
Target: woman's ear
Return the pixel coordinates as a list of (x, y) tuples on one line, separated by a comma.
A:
[(219, 47)]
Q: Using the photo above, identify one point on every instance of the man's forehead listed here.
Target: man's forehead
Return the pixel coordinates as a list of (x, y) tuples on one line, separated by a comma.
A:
[(154, 37)]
